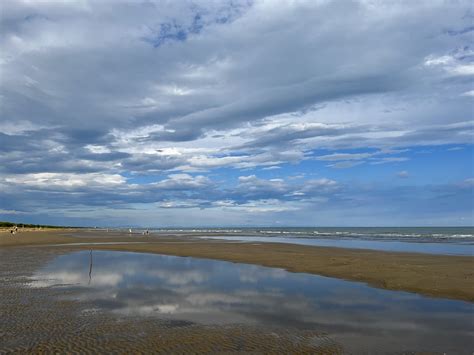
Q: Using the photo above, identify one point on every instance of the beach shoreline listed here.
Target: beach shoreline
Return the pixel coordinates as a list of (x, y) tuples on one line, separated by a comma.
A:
[(442, 276)]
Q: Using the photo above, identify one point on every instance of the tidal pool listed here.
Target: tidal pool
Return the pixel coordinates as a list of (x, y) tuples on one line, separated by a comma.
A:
[(208, 292)]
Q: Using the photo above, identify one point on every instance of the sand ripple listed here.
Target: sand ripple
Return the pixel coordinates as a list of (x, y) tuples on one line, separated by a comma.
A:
[(39, 320)]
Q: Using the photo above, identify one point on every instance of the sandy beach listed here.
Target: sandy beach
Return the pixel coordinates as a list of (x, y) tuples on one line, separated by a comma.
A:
[(39, 320), (431, 275), (98, 291)]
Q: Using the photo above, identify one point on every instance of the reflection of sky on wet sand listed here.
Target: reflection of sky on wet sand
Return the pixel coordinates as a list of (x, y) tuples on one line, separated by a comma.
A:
[(215, 292), (441, 248)]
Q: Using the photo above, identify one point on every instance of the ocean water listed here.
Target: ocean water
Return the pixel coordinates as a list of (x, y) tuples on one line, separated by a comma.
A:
[(432, 240), (215, 293), (409, 234)]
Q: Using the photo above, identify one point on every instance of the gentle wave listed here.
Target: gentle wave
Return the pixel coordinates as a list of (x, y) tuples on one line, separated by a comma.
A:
[(440, 234)]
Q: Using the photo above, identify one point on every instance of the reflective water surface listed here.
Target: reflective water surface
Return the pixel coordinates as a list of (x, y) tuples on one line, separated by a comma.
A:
[(440, 248), (359, 317)]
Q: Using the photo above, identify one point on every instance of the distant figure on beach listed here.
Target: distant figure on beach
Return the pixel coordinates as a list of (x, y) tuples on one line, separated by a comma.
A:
[(130, 230)]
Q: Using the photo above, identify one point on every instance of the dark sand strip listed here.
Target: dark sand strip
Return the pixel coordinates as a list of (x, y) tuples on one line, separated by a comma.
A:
[(432, 275)]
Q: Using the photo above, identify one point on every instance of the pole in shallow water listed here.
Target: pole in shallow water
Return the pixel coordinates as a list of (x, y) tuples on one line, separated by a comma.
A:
[(90, 268)]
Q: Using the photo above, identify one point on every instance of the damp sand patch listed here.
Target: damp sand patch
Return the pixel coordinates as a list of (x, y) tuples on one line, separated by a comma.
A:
[(128, 302), (54, 318)]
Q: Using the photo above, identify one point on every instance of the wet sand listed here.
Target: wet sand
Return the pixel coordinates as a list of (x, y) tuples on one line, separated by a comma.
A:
[(432, 275), (42, 320)]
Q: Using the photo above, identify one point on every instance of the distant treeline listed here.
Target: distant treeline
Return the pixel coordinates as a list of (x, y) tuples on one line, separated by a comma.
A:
[(26, 225)]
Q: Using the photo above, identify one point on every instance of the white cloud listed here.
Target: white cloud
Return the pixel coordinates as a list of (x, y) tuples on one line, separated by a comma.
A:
[(66, 180), (468, 93), (345, 164), (389, 160), (182, 181), (97, 149), (344, 156), (453, 64), (11, 212), (175, 93)]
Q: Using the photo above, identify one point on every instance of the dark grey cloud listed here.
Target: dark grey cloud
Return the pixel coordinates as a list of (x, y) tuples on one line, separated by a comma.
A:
[(98, 90), (249, 196)]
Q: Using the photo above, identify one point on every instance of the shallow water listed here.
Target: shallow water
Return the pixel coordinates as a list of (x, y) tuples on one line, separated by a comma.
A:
[(441, 248), (408, 234), (207, 292), (55, 319)]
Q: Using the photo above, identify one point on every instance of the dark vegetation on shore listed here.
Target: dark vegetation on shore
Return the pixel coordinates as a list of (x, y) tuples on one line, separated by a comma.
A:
[(4, 224)]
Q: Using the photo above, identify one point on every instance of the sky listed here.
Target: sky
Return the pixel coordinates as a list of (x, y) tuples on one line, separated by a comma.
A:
[(237, 113)]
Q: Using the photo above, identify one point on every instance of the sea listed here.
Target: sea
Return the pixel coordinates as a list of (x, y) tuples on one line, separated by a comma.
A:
[(432, 240)]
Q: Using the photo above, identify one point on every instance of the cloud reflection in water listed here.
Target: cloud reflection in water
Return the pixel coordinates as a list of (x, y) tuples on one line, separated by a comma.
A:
[(216, 292)]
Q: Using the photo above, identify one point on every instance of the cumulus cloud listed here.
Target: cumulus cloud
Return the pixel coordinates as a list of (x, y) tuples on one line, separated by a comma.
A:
[(403, 174), (459, 62), (168, 103), (55, 180)]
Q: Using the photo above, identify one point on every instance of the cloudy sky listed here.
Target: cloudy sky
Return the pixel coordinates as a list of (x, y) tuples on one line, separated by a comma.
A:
[(232, 113)]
